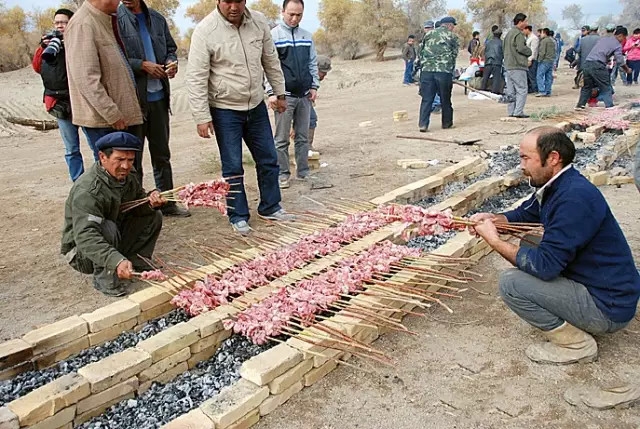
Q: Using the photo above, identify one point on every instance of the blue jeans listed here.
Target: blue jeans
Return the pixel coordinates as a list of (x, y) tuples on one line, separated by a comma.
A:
[(431, 85), (231, 127), (545, 77), (72, 155), (313, 118), (408, 72)]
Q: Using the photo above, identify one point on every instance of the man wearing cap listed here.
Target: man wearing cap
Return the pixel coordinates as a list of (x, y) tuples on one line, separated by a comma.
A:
[(596, 74), (98, 238), (438, 55), (516, 62), (586, 45)]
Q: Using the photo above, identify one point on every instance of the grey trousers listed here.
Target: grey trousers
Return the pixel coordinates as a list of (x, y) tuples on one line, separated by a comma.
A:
[(299, 112), (517, 87), (136, 235)]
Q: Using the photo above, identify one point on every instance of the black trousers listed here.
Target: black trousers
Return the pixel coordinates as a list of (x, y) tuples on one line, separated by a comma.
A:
[(532, 77), (432, 83), (494, 70), (134, 236), (156, 130)]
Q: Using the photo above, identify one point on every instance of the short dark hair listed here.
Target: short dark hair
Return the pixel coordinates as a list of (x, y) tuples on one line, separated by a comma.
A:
[(519, 18), (494, 28), (551, 139), (621, 30), (528, 27), (547, 31), (411, 36), (64, 12), (286, 2), (551, 33), (636, 31), (107, 152), (475, 33)]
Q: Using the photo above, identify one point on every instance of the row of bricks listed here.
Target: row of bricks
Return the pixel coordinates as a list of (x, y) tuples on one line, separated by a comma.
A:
[(97, 386)]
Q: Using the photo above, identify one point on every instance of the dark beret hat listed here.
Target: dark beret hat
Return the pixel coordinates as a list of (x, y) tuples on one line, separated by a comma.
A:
[(119, 141), (448, 20)]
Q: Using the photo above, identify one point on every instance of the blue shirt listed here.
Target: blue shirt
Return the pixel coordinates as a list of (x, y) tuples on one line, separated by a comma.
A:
[(606, 47), (583, 242), (154, 86)]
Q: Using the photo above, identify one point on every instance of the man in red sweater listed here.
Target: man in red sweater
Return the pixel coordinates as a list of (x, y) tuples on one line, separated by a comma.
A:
[(53, 70)]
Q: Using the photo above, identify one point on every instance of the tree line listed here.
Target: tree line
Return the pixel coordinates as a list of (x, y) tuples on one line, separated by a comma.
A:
[(348, 27)]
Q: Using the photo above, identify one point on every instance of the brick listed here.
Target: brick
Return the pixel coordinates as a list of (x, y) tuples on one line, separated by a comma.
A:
[(112, 314), (291, 377), (194, 419), (327, 355), (107, 396), (202, 356), (58, 420), (115, 368), (367, 335), (210, 341), (247, 421), (621, 180), (164, 365), (307, 349), (112, 332), (8, 420), (234, 402), (85, 417), (50, 399), (208, 323), (165, 377), (274, 401), (316, 374), (62, 352), (415, 165), (170, 341), (149, 298), (266, 366), (564, 126), (9, 373), (13, 352), (586, 137), (155, 312), (600, 178), (597, 130), (56, 334)]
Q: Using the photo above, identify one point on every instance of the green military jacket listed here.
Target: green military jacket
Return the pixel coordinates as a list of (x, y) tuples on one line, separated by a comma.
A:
[(547, 50), (439, 51), (95, 197)]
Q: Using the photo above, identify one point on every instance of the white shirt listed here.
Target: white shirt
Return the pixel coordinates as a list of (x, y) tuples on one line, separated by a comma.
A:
[(540, 192), (533, 42)]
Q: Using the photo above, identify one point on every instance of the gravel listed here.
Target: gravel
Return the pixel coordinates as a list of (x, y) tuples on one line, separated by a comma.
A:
[(163, 403), (31, 380)]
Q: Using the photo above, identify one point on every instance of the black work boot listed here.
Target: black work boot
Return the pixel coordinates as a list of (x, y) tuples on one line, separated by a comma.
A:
[(108, 283)]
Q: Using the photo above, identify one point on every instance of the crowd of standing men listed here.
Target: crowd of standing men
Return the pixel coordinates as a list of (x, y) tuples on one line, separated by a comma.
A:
[(521, 63), (106, 70)]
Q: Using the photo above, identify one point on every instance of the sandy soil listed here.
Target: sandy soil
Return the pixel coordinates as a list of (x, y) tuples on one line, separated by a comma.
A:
[(450, 375)]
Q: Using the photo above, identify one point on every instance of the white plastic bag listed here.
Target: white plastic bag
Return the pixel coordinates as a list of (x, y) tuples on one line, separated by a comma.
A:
[(470, 72)]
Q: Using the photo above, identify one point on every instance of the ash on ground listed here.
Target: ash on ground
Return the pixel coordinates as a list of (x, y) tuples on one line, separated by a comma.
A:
[(31, 380), (163, 403), (501, 203)]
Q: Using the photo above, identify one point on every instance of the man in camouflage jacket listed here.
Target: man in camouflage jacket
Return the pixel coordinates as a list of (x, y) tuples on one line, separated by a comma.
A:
[(438, 54)]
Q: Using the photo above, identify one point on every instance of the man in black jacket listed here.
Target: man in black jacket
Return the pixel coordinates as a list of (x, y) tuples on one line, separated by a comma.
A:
[(493, 58), (151, 52)]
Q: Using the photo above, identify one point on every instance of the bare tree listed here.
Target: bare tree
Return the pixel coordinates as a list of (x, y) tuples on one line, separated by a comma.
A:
[(501, 12), (573, 13)]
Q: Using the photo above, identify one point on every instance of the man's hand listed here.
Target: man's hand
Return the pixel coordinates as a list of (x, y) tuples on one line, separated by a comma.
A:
[(45, 40), (124, 270), (313, 94), (119, 125), (479, 217), (273, 102), (156, 200), (488, 231), (281, 105), (626, 69), (171, 68), (530, 62), (154, 70), (206, 130)]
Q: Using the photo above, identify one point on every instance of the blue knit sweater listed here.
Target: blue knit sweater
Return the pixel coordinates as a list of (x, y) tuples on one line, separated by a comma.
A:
[(583, 242)]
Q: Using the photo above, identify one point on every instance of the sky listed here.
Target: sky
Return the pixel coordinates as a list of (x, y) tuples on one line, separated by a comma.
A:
[(592, 9)]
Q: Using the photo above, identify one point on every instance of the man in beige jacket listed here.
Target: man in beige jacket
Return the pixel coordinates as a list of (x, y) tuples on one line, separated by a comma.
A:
[(101, 83), (231, 51)]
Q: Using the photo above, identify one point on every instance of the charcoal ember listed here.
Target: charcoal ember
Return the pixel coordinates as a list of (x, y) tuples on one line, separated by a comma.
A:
[(163, 403), (26, 382), (502, 202), (429, 243)]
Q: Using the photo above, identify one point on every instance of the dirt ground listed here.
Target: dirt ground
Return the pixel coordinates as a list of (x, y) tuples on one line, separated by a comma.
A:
[(477, 368)]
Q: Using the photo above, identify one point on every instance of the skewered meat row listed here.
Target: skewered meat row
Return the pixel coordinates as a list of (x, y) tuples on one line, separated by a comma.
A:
[(211, 194), (155, 275), (213, 292), (308, 297)]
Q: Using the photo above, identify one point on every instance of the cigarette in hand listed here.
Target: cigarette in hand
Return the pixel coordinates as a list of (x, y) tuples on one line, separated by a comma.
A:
[(171, 65)]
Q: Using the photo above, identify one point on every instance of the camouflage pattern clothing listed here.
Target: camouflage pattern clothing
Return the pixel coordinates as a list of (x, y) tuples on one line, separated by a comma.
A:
[(439, 50)]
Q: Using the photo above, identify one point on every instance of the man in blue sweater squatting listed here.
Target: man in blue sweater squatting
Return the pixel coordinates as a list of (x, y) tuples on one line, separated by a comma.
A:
[(581, 278)]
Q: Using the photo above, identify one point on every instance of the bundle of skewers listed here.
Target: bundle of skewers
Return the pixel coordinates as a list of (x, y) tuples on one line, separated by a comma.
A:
[(210, 194)]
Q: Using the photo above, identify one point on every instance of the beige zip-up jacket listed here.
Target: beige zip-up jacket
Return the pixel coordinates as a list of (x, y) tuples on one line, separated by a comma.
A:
[(227, 64), (100, 82)]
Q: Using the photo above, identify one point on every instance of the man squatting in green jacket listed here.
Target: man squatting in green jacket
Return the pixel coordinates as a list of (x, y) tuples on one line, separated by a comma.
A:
[(98, 238)]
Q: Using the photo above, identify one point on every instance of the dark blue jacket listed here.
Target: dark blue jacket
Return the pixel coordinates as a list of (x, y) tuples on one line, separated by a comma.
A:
[(583, 242), (298, 60)]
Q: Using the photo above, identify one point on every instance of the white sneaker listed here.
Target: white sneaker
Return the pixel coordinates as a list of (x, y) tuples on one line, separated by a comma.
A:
[(280, 216), (241, 227), (283, 182)]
